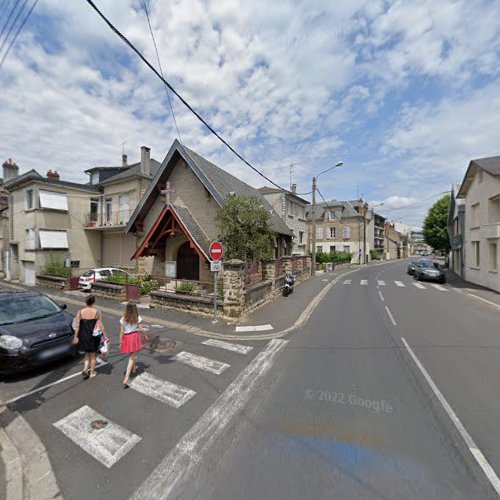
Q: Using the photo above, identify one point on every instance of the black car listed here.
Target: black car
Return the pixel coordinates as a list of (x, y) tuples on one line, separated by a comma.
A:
[(34, 330), (411, 267), (429, 271)]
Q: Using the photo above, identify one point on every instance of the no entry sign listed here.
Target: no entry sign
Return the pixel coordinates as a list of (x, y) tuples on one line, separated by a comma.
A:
[(216, 250)]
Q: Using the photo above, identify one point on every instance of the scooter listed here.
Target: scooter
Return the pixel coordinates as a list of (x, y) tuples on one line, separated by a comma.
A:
[(288, 288)]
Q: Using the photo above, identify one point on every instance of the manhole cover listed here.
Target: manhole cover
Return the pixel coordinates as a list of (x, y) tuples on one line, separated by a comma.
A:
[(163, 345), (98, 424)]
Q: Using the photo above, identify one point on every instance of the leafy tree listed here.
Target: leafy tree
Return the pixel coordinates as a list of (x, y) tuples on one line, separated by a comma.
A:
[(246, 231), (435, 225)]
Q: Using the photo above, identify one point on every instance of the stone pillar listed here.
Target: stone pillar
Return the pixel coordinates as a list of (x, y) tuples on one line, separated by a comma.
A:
[(308, 263), (299, 264), (269, 272), (287, 264), (233, 282)]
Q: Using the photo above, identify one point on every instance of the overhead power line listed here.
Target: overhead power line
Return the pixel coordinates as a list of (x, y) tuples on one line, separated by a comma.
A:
[(195, 113), (21, 26), (23, 5), (161, 70), (7, 20)]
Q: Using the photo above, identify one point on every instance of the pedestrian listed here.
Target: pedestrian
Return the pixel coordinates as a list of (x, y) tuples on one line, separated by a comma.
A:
[(87, 334), (131, 333)]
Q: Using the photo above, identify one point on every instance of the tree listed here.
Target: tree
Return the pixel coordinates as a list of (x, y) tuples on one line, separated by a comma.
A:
[(246, 231), (435, 225)]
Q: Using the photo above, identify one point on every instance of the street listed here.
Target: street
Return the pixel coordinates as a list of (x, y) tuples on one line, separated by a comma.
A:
[(337, 409)]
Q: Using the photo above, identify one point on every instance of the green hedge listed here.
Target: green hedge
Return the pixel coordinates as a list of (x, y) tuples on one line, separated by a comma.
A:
[(336, 257), (55, 267), (147, 285)]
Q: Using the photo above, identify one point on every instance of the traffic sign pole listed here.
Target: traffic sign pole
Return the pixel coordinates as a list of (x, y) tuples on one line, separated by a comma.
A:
[(215, 297), (215, 254)]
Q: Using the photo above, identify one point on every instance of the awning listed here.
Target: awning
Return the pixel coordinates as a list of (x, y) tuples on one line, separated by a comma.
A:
[(53, 239), (53, 200)]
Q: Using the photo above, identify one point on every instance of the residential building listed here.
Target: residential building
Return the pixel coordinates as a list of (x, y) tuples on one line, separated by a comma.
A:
[(396, 243), (51, 219), (340, 227), (481, 191), (456, 230), (378, 235), (4, 222), (292, 209), (175, 219)]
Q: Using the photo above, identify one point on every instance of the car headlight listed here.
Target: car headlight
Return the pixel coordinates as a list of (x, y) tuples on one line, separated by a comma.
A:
[(10, 342)]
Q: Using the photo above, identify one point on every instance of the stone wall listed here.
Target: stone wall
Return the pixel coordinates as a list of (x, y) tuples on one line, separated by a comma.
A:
[(109, 291), (169, 300), (256, 294), (57, 282)]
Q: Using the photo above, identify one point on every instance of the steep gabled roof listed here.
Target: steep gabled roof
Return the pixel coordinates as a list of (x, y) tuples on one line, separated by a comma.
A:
[(490, 165), (218, 183)]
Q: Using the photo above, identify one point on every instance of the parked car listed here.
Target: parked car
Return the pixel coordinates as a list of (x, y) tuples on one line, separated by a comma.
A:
[(88, 278), (430, 271), (411, 267), (34, 330)]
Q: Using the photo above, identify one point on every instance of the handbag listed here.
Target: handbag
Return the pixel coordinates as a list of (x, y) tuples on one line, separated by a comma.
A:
[(97, 329)]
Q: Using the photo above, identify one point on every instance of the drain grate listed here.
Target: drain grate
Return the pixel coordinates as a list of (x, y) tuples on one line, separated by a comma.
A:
[(163, 345)]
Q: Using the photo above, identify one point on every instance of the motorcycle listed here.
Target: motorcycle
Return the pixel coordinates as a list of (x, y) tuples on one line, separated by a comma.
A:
[(288, 287)]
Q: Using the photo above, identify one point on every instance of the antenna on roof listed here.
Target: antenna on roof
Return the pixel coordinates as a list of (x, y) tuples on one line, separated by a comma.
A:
[(291, 171)]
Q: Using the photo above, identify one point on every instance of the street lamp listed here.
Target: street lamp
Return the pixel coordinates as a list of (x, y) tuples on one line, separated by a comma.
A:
[(314, 179)]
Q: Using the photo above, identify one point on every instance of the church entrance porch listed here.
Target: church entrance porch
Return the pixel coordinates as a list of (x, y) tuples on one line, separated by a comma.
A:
[(188, 263)]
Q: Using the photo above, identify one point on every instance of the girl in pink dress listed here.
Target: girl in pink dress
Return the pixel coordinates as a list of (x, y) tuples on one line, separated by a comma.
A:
[(130, 339)]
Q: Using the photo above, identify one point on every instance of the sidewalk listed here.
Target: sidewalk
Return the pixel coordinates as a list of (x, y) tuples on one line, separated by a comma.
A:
[(472, 290), (281, 313)]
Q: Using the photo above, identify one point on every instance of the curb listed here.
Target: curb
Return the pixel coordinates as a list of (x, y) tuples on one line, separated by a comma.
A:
[(28, 470)]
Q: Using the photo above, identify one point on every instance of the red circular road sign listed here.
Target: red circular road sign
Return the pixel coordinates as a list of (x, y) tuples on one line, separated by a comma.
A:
[(216, 250)]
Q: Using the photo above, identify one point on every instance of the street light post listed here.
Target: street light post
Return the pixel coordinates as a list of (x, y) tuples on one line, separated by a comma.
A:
[(313, 214)]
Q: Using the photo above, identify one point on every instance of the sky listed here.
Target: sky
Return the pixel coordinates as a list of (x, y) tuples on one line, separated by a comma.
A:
[(404, 93)]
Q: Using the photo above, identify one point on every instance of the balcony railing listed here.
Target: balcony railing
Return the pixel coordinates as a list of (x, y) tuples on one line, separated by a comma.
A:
[(108, 219)]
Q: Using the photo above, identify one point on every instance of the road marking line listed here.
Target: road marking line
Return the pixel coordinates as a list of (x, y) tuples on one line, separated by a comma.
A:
[(347, 282), (437, 287), (180, 464), (390, 316), (256, 328), (107, 444), (381, 296), (325, 280), (473, 448), (43, 387), (419, 285), (363, 282), (162, 390), (381, 282), (241, 349), (209, 365), (156, 326), (400, 284)]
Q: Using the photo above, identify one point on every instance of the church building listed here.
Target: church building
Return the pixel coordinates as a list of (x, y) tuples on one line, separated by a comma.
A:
[(175, 219)]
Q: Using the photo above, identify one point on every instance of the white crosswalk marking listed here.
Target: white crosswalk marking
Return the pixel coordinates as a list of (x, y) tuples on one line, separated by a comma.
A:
[(364, 282), (437, 287), (241, 349), (347, 282), (380, 282), (101, 438), (162, 390), (209, 365), (419, 285), (400, 284)]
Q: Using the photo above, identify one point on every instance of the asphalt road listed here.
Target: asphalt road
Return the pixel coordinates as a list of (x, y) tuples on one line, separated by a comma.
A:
[(347, 413), (339, 409)]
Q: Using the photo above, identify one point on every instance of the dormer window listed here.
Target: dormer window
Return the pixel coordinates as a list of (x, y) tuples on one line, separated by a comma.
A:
[(330, 215), (94, 178)]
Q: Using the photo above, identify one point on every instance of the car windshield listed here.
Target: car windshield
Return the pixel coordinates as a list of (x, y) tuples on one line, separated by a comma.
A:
[(22, 308), (88, 274), (427, 264)]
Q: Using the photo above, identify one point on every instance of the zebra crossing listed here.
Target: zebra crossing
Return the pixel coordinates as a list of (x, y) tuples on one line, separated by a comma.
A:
[(107, 441), (398, 284)]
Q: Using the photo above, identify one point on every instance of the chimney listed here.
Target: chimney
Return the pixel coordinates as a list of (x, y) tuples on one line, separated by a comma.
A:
[(294, 188), (145, 161), (124, 160), (53, 175), (10, 170)]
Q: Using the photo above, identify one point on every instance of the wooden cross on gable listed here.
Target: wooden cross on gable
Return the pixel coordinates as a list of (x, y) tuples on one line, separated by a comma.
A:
[(167, 192)]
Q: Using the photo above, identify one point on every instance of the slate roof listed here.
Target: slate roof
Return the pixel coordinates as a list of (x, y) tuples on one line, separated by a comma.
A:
[(133, 170), (490, 165), (348, 210), (217, 181), (194, 229), (33, 175)]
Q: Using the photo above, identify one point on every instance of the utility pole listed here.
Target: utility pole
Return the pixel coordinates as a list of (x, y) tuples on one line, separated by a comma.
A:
[(313, 236), (364, 234)]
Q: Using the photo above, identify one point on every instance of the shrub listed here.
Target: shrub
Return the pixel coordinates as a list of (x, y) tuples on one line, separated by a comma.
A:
[(337, 257), (147, 285), (374, 254), (56, 267), (186, 286)]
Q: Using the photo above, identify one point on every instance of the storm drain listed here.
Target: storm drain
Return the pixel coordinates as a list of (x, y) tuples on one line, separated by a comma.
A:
[(163, 345)]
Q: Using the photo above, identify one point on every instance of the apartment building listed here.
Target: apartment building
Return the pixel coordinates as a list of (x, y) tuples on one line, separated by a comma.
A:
[(378, 235), (456, 230), (292, 210), (341, 227), (481, 191), (51, 219)]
